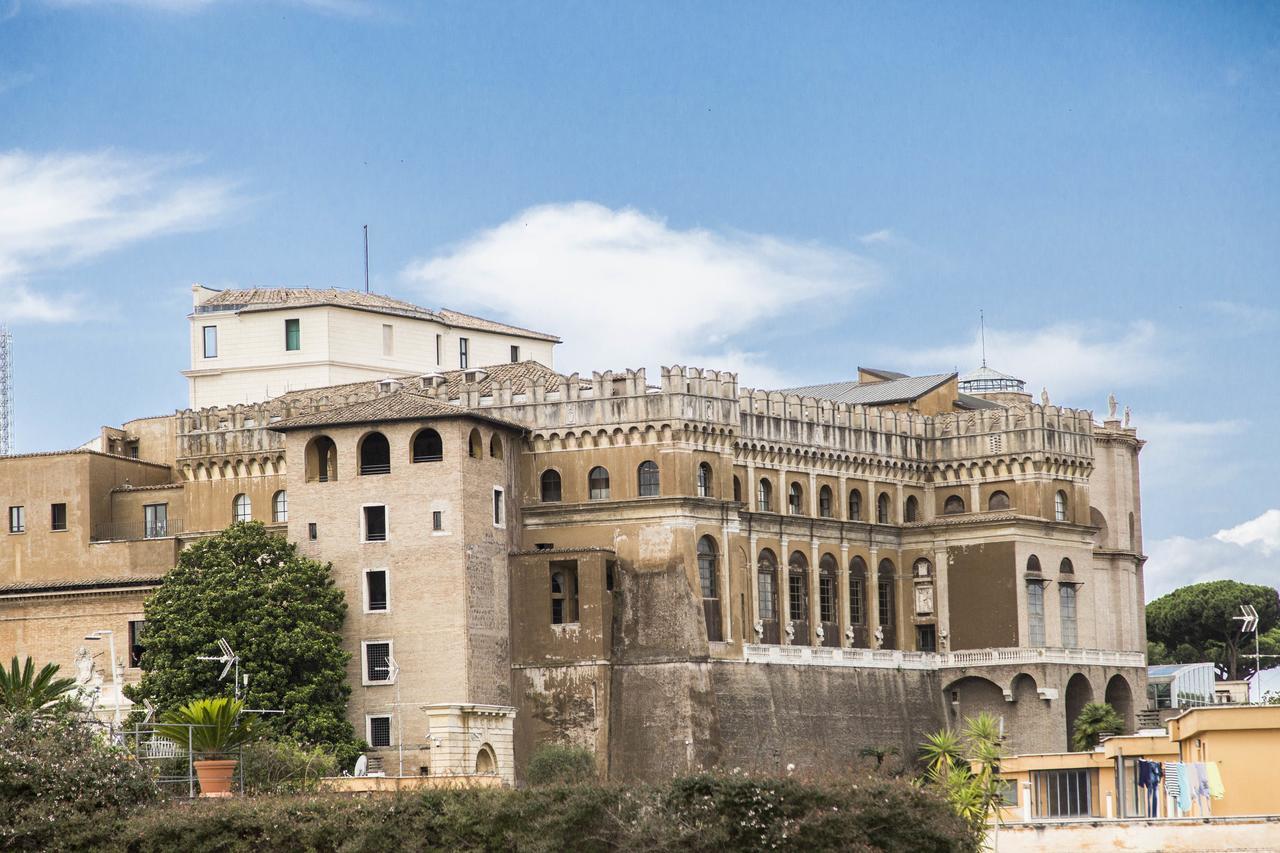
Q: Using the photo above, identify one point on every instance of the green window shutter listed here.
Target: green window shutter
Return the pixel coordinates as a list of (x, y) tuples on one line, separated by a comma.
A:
[(292, 335)]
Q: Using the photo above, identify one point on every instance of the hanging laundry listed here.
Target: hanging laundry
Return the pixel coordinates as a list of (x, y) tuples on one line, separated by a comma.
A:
[(1171, 786), (1185, 787), (1149, 775), (1216, 790)]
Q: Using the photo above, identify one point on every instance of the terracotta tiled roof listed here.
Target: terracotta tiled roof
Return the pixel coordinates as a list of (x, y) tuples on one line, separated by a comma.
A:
[(270, 298), (522, 375), (29, 587), (397, 406)]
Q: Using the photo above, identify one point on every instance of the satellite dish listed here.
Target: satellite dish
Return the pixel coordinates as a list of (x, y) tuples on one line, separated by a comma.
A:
[(362, 766)]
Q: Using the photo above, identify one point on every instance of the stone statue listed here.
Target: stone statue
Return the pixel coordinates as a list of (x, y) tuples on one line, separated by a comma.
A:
[(84, 666), (759, 629), (791, 632), (1111, 407), (1044, 397), (821, 634), (879, 638), (848, 634), (1127, 413)]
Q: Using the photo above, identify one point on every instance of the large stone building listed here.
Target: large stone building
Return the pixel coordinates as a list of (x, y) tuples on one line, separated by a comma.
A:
[(678, 574)]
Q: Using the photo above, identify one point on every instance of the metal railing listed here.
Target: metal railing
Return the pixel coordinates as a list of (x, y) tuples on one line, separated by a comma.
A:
[(897, 659), (117, 531)]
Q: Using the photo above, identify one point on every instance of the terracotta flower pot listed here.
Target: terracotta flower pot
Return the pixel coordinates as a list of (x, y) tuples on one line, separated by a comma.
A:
[(215, 776)]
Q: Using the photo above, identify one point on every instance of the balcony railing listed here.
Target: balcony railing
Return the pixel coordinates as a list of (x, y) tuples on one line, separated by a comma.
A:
[(117, 531), (895, 659)]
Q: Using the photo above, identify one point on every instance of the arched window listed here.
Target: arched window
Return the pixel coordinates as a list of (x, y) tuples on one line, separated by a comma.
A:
[(887, 601), (280, 506), (737, 489), (564, 595), (1035, 613), (241, 508), (998, 500), (427, 446), (1033, 563), (911, 510), (828, 600), (598, 484), (1067, 615), (767, 591), (824, 502), (322, 460), (647, 478), (475, 444), (882, 508), (375, 454), (704, 480), (549, 485), (486, 763), (1060, 506), (952, 505), (857, 591), (798, 597), (795, 499), (495, 446), (1065, 567), (764, 495), (710, 587), (855, 505)]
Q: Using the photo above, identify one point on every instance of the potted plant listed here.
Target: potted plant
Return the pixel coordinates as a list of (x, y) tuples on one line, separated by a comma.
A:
[(213, 728)]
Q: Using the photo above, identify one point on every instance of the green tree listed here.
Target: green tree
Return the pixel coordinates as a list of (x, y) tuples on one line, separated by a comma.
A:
[(1096, 719), (1197, 623), (282, 615), (965, 767), (23, 690)]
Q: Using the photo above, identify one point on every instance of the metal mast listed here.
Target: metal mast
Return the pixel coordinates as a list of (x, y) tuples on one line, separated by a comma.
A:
[(6, 391)]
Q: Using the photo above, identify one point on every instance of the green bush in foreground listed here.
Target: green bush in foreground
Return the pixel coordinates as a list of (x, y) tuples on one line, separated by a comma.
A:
[(554, 764), (704, 814)]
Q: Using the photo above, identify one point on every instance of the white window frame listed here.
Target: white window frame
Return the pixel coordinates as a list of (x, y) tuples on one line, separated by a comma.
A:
[(464, 353), (365, 585), (386, 523), (280, 518), (204, 341), (391, 729), (147, 528), (21, 516), (500, 508), (364, 660)]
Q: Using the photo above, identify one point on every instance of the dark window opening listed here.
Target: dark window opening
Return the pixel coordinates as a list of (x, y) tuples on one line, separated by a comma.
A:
[(17, 519), (997, 501), (137, 632), (704, 480), (564, 593), (313, 532), (953, 504), (824, 502), (767, 590), (58, 516), (375, 454), (322, 460), (437, 520), (598, 484), (475, 445), (926, 638), (882, 508), (737, 489), (515, 353), (375, 523), (710, 587), (379, 732), (911, 511), (647, 475), (764, 496), (428, 446), (610, 567), (376, 585), (463, 357), (855, 505), (377, 658), (795, 499), (550, 486)]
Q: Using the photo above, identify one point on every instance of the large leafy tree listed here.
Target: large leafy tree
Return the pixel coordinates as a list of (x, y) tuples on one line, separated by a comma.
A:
[(282, 615), (1197, 623)]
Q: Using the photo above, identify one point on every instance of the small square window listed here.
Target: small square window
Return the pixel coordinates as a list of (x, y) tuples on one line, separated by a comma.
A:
[(375, 585), (58, 516), (17, 519), (380, 731), (375, 523), (437, 520), (210, 341), (313, 531)]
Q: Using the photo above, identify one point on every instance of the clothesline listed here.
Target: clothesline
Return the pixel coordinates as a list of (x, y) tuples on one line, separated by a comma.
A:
[(1183, 782)]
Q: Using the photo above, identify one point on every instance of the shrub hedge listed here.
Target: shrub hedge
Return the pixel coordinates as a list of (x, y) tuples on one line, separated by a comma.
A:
[(704, 814)]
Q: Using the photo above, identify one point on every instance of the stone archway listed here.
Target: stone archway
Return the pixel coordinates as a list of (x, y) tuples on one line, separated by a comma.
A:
[(1120, 696), (970, 696), (1079, 693)]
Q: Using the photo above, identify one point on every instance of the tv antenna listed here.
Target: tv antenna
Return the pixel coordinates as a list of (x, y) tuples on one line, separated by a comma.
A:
[(229, 658), (6, 391), (366, 259), (982, 331)]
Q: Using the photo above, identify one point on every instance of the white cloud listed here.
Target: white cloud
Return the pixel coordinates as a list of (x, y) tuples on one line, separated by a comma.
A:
[(1179, 452), (625, 289), (1262, 533), (1251, 556), (1072, 362), (62, 209)]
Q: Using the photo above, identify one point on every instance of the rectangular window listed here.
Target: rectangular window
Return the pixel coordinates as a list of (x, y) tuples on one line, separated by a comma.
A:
[(210, 341), (768, 595), (438, 342), (857, 602), (437, 520), (388, 339), (17, 519), (1035, 613), (293, 335), (379, 731), (1067, 604), (155, 519), (886, 603), (515, 353), (375, 586), (499, 518), (375, 523), (137, 628), (377, 662), (797, 597), (58, 516), (313, 532), (826, 598), (462, 354), (926, 638), (564, 593), (1062, 793)]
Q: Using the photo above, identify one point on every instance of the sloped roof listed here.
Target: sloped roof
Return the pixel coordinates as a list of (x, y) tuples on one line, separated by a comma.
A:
[(874, 393), (396, 406), (986, 374), (272, 298)]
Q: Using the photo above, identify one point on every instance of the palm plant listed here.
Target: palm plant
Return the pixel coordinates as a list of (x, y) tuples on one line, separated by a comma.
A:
[(214, 726), (1095, 720), (966, 768), (25, 690)]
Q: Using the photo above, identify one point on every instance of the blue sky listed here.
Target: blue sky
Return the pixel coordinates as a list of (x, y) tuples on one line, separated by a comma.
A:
[(789, 190)]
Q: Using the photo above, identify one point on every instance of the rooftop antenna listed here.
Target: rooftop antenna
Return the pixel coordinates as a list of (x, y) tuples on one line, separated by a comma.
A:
[(228, 657), (366, 259), (6, 391), (982, 327)]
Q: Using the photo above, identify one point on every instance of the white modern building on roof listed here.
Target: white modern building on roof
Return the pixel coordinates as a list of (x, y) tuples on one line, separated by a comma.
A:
[(251, 345)]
